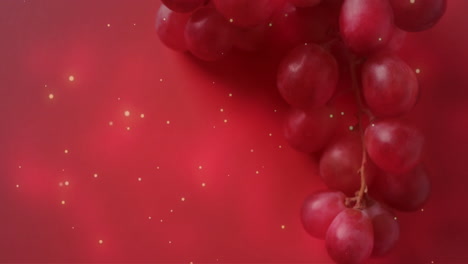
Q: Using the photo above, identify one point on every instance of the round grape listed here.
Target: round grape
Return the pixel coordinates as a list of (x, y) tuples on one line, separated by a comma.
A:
[(170, 27), (417, 15), (366, 26), (389, 85), (307, 77), (309, 132), (393, 146), (405, 192), (386, 228), (319, 210), (183, 6), (208, 35), (340, 164), (350, 237)]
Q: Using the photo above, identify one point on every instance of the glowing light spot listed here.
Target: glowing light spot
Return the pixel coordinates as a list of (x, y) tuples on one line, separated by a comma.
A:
[(270, 134), (63, 202), (161, 220), (100, 241), (66, 151), (225, 120), (139, 179), (71, 78), (66, 183), (200, 167), (128, 128), (331, 115), (19, 167), (170, 242), (171, 211), (73, 227), (283, 226), (231, 20), (422, 209), (157, 167), (142, 115), (275, 110), (230, 94), (286, 14), (164, 19), (149, 217), (270, 24), (108, 25), (257, 172), (351, 128), (203, 184), (111, 123), (134, 24), (17, 185), (168, 122), (418, 71), (395, 218), (95, 175), (182, 199), (251, 150), (380, 39), (280, 146), (118, 98), (412, 1), (342, 113), (221, 110), (51, 96), (161, 80), (127, 113)]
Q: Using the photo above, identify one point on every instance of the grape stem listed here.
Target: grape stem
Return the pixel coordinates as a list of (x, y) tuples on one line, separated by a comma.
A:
[(360, 196)]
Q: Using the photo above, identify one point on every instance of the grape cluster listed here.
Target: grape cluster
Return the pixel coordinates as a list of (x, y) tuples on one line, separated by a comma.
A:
[(347, 89)]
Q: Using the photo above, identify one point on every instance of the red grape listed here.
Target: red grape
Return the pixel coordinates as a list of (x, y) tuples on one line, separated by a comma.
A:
[(397, 39), (305, 3), (366, 25), (340, 163), (183, 6), (170, 27), (405, 192), (208, 35), (389, 85), (309, 132), (250, 39), (319, 210), (247, 13), (386, 228), (307, 77), (417, 15), (393, 146), (350, 237)]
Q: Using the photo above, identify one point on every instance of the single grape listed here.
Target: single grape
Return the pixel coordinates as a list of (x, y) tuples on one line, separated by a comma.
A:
[(319, 210), (350, 237), (389, 85), (247, 13), (305, 3), (208, 35), (307, 77), (170, 27), (340, 164), (386, 228), (393, 146), (417, 15), (405, 192), (366, 26), (183, 6), (309, 132)]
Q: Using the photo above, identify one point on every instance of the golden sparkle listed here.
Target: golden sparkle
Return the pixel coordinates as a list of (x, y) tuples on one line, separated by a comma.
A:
[(19, 167), (221, 110), (351, 128), (168, 122), (200, 167), (111, 123), (257, 172), (127, 113), (149, 217), (100, 241), (139, 179), (342, 113), (231, 20), (142, 115), (128, 128), (331, 115), (17, 185), (225, 121), (280, 146), (66, 183), (418, 71), (63, 202), (230, 94), (251, 150), (270, 24), (203, 184), (51, 96), (95, 175), (66, 151), (182, 199), (108, 25), (283, 226), (71, 78)]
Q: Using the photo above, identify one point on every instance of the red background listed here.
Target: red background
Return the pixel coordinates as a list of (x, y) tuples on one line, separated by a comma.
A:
[(237, 216)]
